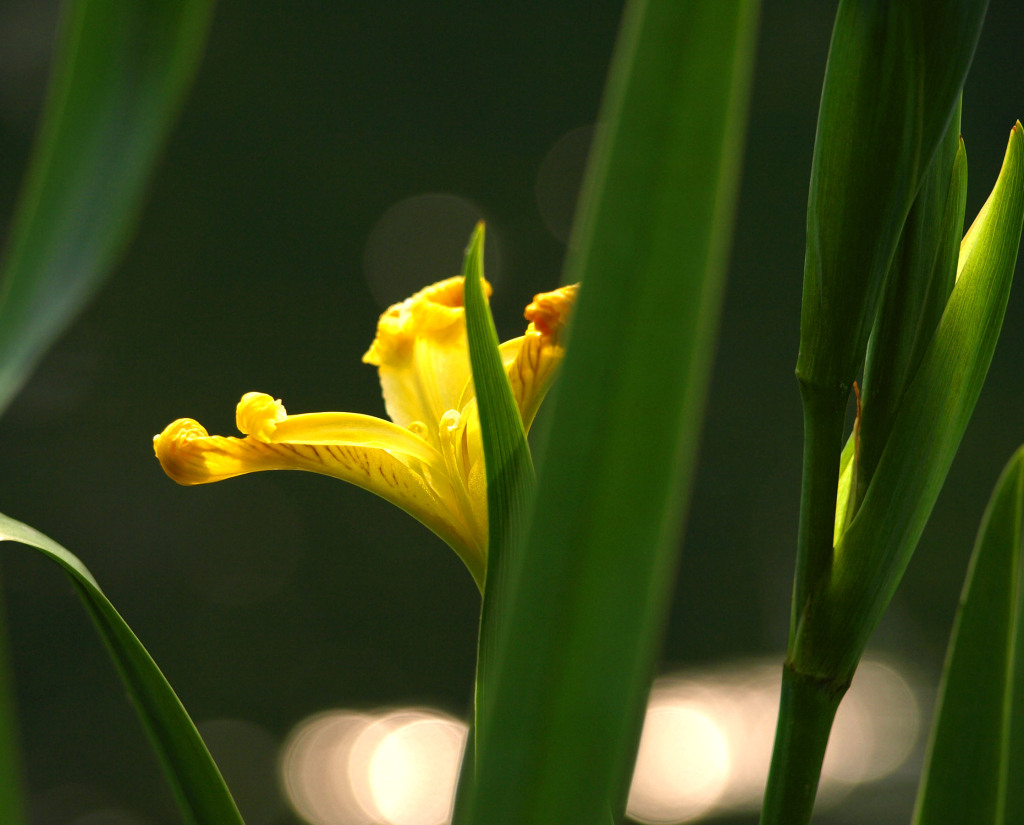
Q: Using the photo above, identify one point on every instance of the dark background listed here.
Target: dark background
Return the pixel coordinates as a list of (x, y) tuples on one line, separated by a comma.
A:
[(270, 597)]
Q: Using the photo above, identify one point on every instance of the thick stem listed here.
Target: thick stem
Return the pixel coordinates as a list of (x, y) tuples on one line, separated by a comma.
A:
[(806, 710), (808, 704), (824, 417)]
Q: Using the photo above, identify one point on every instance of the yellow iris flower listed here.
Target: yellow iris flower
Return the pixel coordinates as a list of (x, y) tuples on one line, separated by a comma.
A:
[(428, 459)]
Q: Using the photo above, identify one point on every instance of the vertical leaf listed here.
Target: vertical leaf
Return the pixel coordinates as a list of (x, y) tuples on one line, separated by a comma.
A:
[(894, 75), (893, 80), (506, 453), (976, 752), (874, 551), (510, 475), (582, 613)]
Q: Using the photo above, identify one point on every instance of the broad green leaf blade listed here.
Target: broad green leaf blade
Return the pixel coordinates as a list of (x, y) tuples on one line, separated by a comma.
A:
[(121, 74), (877, 546), (197, 784), (976, 753), (582, 617)]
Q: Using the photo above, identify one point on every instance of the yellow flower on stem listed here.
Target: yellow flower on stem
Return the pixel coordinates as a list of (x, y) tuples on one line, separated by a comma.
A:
[(429, 458)]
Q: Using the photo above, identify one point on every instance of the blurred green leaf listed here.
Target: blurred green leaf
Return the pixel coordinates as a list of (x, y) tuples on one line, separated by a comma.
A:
[(877, 546), (122, 70), (582, 613), (197, 784), (976, 754)]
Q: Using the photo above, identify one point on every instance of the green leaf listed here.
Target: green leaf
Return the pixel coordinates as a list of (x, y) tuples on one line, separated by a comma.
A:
[(121, 74), (916, 292), (506, 454), (976, 753), (510, 475), (197, 784), (854, 583), (877, 546), (894, 75), (581, 620)]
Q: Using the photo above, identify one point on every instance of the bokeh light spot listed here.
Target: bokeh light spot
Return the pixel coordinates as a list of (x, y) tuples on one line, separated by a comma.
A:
[(682, 766), (420, 240), (875, 728), (414, 771), (315, 768), (559, 179), (705, 750)]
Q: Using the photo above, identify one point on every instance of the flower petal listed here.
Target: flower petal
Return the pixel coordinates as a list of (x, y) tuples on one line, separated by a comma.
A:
[(531, 360), (266, 419), (422, 354), (189, 455)]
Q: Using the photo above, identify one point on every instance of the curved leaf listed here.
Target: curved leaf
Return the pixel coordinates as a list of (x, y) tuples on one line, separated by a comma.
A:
[(197, 784)]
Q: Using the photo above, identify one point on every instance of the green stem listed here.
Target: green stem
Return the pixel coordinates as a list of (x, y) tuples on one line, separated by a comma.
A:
[(808, 703), (806, 710), (824, 417)]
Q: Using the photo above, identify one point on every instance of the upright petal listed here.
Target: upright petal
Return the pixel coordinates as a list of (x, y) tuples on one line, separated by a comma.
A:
[(531, 359), (422, 355)]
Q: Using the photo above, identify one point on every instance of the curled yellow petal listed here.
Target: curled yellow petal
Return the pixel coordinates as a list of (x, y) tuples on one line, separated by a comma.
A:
[(431, 312), (265, 419), (374, 454), (548, 312), (190, 455), (257, 414), (533, 358)]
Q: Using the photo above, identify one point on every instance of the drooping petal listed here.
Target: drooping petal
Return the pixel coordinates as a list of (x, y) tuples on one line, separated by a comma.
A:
[(422, 354), (189, 455)]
